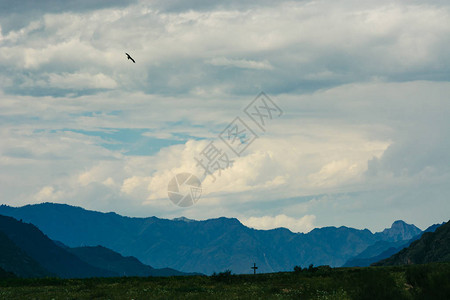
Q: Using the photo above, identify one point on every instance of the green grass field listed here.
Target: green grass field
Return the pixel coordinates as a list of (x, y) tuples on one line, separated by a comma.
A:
[(431, 281)]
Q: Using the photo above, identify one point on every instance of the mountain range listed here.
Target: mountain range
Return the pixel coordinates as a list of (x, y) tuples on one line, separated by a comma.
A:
[(27, 252), (384, 249), (431, 247), (204, 246)]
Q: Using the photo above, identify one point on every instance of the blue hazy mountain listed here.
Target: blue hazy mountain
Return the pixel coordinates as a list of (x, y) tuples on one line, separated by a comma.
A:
[(104, 258), (399, 231), (203, 246), (431, 247), (376, 252), (46, 257), (27, 252), (385, 248)]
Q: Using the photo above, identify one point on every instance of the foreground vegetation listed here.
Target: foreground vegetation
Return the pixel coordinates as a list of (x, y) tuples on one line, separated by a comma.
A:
[(431, 281)]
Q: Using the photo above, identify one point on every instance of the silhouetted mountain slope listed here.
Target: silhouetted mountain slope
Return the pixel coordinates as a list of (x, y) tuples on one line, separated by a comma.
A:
[(376, 252), (431, 247), (6, 274), (384, 249), (107, 259), (202, 246), (15, 260), (24, 250), (433, 227), (45, 252)]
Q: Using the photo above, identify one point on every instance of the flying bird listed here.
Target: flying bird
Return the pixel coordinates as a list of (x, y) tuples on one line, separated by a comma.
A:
[(129, 57)]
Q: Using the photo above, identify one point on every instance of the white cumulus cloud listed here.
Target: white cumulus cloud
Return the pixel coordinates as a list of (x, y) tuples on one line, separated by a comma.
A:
[(303, 224)]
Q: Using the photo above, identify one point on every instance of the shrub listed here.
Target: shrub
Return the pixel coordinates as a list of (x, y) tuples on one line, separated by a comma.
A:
[(222, 276), (297, 269), (311, 269)]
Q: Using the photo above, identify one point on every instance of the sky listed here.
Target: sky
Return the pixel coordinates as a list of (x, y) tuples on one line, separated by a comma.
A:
[(361, 138)]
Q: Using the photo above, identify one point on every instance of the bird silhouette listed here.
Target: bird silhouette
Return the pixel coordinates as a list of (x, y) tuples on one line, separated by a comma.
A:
[(129, 57)]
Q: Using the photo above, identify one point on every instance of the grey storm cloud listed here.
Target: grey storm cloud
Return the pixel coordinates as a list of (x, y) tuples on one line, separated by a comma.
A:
[(18, 14), (178, 6), (364, 86), (307, 47)]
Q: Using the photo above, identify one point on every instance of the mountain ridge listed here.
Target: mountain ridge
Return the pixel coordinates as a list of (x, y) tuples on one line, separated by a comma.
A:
[(431, 247), (204, 246), (30, 240), (384, 249), (102, 257), (5, 208), (28, 252)]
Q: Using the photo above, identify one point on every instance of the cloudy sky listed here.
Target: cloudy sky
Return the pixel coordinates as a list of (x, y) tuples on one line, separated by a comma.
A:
[(364, 138)]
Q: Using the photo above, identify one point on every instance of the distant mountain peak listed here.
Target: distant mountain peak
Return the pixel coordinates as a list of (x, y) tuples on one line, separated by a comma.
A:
[(399, 222), (400, 225), (400, 230)]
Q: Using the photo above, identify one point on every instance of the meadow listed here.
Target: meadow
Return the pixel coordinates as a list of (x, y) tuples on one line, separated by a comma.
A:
[(428, 281)]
